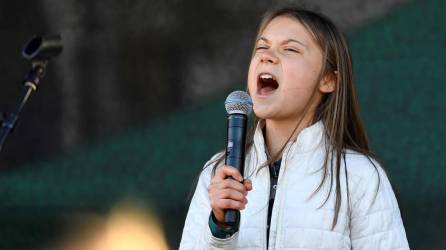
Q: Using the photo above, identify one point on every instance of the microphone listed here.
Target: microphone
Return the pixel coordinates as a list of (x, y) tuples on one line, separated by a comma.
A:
[(39, 51), (238, 105), (43, 47)]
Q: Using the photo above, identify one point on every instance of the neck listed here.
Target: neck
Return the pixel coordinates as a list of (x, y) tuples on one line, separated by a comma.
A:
[(278, 133)]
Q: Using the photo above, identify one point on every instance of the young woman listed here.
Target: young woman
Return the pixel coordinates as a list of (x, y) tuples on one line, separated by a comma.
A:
[(310, 177)]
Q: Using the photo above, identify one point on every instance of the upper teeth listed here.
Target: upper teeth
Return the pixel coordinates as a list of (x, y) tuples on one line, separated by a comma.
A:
[(266, 76)]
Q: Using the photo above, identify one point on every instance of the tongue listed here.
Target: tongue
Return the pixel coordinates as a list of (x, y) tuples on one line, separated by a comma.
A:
[(266, 90)]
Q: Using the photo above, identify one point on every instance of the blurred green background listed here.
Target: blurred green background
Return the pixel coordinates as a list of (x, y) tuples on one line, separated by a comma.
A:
[(399, 62)]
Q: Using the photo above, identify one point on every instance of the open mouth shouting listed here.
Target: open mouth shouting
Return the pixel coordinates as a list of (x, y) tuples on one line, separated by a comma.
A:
[(266, 84)]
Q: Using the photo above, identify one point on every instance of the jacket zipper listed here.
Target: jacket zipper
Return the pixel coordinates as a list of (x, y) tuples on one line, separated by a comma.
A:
[(278, 202), (266, 217)]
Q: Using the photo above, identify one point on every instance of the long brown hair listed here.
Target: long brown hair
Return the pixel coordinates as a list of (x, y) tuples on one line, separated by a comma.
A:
[(338, 111)]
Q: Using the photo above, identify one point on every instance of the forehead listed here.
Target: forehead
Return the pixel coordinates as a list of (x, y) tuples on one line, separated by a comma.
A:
[(286, 27)]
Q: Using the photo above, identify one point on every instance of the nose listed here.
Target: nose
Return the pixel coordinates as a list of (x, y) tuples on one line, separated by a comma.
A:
[(269, 57)]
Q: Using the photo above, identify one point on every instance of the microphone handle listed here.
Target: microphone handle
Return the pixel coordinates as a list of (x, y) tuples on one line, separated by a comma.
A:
[(235, 157)]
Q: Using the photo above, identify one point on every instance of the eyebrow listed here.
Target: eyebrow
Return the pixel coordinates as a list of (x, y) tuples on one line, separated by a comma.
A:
[(284, 42)]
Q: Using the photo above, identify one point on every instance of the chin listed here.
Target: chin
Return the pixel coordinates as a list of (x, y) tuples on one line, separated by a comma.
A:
[(262, 113)]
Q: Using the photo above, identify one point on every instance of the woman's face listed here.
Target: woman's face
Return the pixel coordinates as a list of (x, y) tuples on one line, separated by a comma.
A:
[(284, 71)]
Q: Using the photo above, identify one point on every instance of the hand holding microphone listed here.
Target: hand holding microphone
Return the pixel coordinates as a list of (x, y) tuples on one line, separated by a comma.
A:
[(227, 191)]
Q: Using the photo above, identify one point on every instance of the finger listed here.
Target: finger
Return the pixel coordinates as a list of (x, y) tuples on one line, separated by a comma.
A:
[(248, 184), (230, 204), (225, 171), (230, 184), (219, 215), (230, 194)]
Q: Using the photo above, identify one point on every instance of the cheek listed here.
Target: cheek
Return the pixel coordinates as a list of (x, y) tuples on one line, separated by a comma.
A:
[(252, 79), (301, 76), (298, 98), (301, 83)]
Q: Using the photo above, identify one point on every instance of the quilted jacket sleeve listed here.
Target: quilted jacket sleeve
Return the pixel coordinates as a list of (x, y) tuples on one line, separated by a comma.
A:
[(375, 217), (196, 231)]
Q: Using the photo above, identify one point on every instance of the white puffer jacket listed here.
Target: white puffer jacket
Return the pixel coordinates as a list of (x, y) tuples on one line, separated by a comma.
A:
[(371, 220)]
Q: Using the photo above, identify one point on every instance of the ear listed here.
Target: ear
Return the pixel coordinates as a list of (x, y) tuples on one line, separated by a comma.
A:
[(328, 82)]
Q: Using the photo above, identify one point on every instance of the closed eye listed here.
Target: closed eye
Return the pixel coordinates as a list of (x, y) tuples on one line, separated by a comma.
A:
[(292, 50), (261, 48)]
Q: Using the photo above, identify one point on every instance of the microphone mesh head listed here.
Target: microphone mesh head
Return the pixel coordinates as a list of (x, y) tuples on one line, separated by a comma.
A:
[(238, 102)]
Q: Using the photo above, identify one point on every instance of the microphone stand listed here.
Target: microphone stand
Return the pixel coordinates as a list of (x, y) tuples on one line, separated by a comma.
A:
[(39, 50)]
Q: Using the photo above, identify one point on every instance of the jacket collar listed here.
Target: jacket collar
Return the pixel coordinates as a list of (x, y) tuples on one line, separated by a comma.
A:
[(308, 140)]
